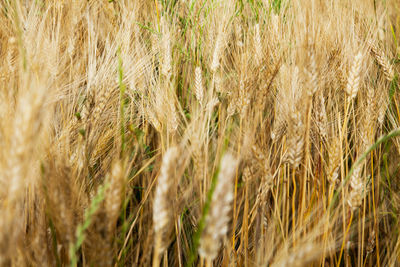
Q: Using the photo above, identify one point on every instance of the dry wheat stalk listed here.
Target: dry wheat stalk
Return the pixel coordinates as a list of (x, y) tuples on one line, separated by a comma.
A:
[(369, 119), (219, 214)]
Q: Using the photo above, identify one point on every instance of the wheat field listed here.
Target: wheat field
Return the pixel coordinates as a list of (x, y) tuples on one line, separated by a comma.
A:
[(199, 133)]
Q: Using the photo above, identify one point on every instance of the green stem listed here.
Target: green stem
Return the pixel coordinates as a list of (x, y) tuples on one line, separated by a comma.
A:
[(121, 100)]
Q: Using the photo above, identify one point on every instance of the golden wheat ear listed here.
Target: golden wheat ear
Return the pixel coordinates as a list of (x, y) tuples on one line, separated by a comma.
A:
[(163, 201), (295, 143), (353, 81), (382, 61), (198, 82), (219, 214)]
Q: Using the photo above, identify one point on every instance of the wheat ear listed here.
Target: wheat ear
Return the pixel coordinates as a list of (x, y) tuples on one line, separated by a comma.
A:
[(166, 67), (198, 82), (219, 215), (114, 194), (353, 81), (257, 44), (321, 118), (312, 74), (243, 100), (217, 53), (334, 161), (382, 61), (295, 141), (162, 201), (357, 185)]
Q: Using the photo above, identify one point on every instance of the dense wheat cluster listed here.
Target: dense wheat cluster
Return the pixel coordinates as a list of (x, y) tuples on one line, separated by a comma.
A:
[(199, 133)]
